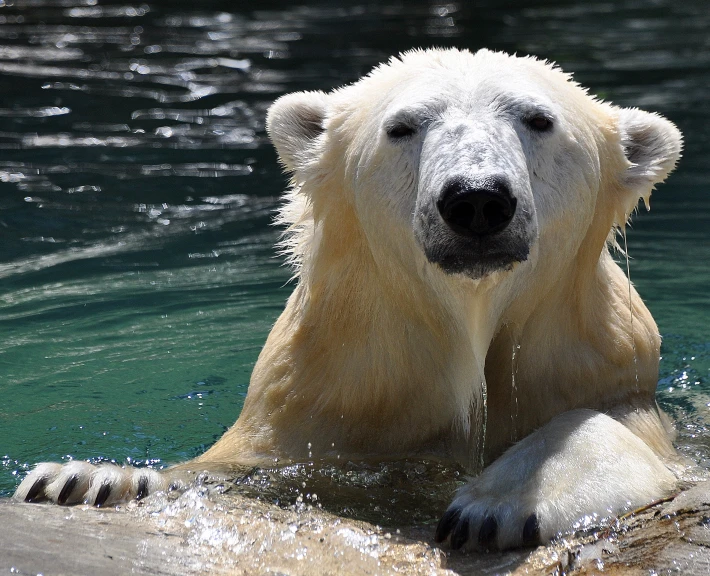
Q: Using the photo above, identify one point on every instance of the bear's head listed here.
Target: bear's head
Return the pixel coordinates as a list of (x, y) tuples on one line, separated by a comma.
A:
[(472, 165)]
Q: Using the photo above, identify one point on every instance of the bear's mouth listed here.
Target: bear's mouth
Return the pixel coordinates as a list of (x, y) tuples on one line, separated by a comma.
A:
[(477, 259), (473, 255)]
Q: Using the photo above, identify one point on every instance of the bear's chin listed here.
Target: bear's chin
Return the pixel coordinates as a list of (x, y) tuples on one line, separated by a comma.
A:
[(476, 267), (476, 257)]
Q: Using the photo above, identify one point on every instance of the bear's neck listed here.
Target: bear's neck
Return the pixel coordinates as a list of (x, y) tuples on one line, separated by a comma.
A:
[(581, 338), (369, 360)]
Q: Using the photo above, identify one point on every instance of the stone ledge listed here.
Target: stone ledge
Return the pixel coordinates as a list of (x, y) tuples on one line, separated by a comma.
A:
[(198, 532)]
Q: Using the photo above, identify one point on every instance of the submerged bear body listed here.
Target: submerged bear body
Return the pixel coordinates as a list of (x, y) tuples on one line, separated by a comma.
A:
[(449, 221)]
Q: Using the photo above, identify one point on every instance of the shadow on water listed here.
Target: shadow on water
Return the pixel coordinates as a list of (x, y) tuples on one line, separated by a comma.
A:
[(138, 279), (388, 494)]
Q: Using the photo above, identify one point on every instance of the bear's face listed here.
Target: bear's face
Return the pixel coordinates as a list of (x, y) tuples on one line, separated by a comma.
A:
[(483, 160), (475, 159)]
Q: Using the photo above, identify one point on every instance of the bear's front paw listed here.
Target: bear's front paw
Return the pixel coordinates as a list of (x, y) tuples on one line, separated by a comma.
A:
[(580, 467), (80, 482), (488, 527)]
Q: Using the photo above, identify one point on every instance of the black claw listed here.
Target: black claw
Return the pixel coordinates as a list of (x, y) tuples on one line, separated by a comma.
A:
[(446, 524), (68, 489), (37, 491), (488, 533), (459, 537), (142, 488), (103, 494), (531, 531)]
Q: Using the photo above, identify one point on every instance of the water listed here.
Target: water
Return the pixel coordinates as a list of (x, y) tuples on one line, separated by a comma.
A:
[(137, 275)]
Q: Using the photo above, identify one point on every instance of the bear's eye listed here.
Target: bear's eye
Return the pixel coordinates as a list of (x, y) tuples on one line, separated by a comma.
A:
[(400, 130), (539, 123)]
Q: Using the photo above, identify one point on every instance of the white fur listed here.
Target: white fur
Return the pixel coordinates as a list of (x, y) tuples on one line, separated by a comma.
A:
[(581, 465)]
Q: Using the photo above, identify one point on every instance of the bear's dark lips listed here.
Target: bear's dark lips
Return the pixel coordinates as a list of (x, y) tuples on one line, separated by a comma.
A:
[(475, 265), (475, 257)]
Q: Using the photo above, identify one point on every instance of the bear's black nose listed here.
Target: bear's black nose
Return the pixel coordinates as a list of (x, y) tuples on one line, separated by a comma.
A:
[(476, 207)]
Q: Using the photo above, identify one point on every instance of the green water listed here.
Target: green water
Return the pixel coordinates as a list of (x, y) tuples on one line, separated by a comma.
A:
[(137, 275)]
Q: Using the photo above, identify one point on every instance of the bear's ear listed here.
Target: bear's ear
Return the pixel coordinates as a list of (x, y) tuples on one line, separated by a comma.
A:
[(652, 144), (293, 123)]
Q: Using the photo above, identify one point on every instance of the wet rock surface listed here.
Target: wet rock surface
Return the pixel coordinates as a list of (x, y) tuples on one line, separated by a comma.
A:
[(204, 530)]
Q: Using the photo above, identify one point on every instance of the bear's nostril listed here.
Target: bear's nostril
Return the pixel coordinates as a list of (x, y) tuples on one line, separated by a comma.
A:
[(497, 212), (477, 210), (461, 214)]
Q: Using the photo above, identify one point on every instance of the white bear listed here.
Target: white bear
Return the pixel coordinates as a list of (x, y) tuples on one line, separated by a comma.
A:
[(449, 219)]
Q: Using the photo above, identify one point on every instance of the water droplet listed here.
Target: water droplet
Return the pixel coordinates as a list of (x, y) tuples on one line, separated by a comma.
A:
[(631, 309), (514, 394)]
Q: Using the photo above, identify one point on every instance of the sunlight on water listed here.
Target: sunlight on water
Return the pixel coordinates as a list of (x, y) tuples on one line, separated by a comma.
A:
[(138, 278)]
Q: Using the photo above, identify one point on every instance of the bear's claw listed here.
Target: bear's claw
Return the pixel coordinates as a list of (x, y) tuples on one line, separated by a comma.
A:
[(459, 536), (67, 483), (488, 533), (531, 531), (458, 525), (447, 523), (102, 495), (67, 489), (80, 482), (142, 489), (36, 492)]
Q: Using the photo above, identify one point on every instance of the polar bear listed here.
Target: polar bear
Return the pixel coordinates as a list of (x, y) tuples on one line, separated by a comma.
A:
[(449, 221)]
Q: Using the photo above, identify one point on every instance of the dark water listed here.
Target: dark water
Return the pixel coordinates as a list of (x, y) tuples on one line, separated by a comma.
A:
[(137, 275)]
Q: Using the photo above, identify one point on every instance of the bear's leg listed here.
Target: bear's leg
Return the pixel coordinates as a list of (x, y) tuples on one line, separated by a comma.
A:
[(582, 465), (80, 482)]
